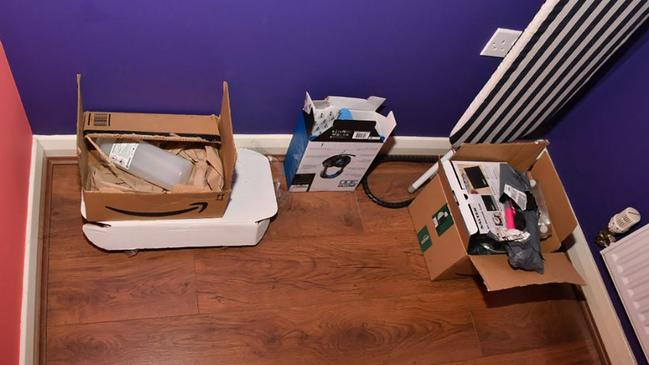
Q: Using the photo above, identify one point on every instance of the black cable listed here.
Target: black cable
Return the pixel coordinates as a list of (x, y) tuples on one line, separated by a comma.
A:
[(389, 158)]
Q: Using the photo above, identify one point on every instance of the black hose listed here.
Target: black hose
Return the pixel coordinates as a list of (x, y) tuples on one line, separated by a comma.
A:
[(389, 158)]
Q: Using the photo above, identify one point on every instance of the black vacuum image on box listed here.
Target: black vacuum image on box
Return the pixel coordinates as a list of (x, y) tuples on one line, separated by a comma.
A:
[(339, 161), (335, 142)]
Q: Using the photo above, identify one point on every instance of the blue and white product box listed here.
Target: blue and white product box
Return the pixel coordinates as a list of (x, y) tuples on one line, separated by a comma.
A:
[(335, 142)]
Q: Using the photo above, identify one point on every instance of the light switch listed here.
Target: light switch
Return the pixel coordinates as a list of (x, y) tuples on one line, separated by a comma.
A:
[(500, 43)]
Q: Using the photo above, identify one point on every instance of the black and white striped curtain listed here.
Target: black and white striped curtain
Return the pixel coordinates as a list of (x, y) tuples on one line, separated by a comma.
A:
[(561, 49)]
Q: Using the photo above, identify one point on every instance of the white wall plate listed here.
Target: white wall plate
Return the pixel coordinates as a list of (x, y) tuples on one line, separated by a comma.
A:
[(500, 43)]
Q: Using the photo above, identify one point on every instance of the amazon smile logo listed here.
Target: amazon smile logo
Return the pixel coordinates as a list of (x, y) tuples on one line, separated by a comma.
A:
[(200, 206)]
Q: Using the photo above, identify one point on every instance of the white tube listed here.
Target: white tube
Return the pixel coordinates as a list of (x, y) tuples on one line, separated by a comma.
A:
[(432, 171)]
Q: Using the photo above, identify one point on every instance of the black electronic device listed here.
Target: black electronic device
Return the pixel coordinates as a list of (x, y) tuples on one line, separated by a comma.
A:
[(339, 161)]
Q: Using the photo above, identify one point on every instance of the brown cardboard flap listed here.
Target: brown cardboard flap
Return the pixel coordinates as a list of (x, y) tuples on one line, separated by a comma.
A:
[(454, 208), (461, 269), (556, 199), (80, 120), (122, 123), (83, 160), (102, 206), (552, 243), (520, 155), (446, 250), (228, 150), (498, 275), (147, 137)]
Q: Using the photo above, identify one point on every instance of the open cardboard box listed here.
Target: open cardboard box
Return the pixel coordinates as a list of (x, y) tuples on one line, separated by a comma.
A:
[(446, 252), (210, 130), (334, 154)]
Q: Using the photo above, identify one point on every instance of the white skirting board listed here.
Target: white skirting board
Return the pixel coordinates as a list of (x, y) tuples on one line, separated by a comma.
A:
[(44, 147), (272, 144), (29, 324), (599, 302)]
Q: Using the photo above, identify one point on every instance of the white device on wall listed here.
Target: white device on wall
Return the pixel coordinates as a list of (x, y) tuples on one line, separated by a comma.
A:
[(624, 220), (618, 224)]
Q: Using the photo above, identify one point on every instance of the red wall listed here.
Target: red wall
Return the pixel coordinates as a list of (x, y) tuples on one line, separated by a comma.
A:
[(15, 152)]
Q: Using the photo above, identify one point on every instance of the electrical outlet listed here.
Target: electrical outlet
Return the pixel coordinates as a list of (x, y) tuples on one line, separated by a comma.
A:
[(500, 43)]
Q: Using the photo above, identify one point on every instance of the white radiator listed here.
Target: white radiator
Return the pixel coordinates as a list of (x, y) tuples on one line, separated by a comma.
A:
[(628, 262)]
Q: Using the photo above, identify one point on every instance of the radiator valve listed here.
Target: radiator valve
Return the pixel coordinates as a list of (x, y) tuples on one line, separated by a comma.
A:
[(618, 225)]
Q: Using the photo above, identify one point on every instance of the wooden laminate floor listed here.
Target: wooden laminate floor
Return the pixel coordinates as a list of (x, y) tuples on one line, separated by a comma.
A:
[(336, 280)]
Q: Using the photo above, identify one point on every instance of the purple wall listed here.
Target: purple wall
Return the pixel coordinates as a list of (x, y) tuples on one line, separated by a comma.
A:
[(600, 149), (170, 56)]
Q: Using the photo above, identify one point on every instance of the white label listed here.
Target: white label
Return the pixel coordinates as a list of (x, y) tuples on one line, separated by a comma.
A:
[(361, 135), (347, 183), (122, 154), (299, 188), (517, 196)]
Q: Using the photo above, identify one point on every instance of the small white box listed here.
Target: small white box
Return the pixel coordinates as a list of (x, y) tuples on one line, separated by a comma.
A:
[(335, 142), (246, 218), (476, 187)]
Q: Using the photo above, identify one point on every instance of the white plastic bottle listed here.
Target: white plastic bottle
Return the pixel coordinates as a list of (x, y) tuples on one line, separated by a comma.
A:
[(148, 162), (544, 217)]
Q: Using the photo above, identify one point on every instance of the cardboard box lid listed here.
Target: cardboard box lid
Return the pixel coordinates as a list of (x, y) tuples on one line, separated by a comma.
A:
[(372, 103), (498, 275), (521, 155), (562, 217), (362, 110), (204, 126), (228, 150), (447, 249), (384, 124)]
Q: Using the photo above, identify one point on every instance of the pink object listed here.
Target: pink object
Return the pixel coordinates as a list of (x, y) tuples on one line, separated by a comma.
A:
[(509, 215), (15, 155)]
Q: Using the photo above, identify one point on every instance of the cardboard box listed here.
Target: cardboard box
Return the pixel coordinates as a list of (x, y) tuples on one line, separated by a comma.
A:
[(330, 154), (244, 223), (210, 130), (444, 241)]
